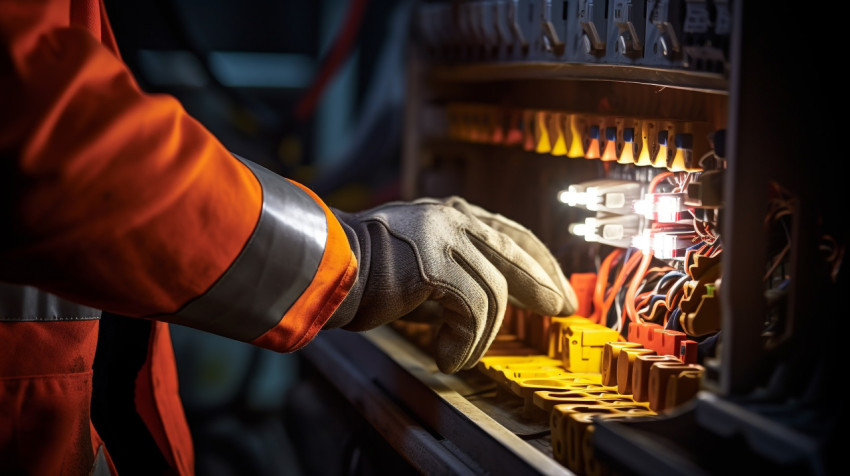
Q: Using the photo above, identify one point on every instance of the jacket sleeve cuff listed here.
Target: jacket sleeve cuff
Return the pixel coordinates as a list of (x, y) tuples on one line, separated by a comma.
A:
[(292, 274)]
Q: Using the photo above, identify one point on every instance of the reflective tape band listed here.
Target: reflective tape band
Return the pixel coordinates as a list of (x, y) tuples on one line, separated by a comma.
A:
[(27, 304), (277, 264)]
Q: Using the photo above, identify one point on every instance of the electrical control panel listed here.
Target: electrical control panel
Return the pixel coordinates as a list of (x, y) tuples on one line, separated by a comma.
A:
[(640, 140)]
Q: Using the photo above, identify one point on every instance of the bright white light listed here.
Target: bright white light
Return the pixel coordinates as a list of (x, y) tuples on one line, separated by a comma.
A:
[(643, 208), (667, 208), (641, 242), (579, 229), (612, 231), (615, 200)]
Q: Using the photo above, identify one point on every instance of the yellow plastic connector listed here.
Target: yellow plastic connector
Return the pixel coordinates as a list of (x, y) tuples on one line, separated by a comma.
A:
[(583, 345), (645, 142), (578, 128), (541, 133), (556, 134)]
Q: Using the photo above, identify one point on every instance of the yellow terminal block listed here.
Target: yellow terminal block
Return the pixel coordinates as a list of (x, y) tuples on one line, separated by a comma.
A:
[(541, 133), (627, 155), (664, 150), (645, 143), (557, 327), (494, 366), (610, 355), (583, 344), (578, 128), (547, 399), (557, 122)]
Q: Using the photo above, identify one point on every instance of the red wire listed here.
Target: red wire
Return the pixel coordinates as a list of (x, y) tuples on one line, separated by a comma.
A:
[(338, 53)]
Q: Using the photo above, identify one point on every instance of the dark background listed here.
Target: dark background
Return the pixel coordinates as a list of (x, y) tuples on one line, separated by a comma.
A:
[(243, 69)]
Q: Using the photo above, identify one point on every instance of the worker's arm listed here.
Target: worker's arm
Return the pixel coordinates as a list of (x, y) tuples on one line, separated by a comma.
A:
[(120, 200)]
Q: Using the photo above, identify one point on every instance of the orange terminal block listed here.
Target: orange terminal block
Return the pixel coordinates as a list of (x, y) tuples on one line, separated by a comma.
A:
[(627, 154), (640, 374), (593, 148), (572, 422), (660, 376), (625, 363), (610, 355), (682, 388), (609, 151)]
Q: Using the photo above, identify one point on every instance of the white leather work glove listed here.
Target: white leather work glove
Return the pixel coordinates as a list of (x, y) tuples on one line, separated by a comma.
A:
[(459, 255)]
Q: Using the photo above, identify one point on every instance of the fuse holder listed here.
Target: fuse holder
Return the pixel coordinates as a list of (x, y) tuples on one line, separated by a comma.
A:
[(583, 344), (610, 355), (625, 363), (659, 378), (640, 374)]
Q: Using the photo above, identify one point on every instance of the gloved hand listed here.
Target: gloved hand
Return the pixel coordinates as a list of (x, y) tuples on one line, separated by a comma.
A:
[(449, 251)]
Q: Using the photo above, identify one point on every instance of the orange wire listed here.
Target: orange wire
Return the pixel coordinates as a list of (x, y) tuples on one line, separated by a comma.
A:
[(657, 180), (602, 282), (618, 283), (630, 310)]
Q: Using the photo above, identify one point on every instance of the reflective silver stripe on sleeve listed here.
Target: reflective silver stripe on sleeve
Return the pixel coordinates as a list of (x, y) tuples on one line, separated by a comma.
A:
[(26, 303), (275, 267)]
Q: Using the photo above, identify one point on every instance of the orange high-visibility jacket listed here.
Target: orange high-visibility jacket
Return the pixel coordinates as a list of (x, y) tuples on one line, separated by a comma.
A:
[(118, 200)]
